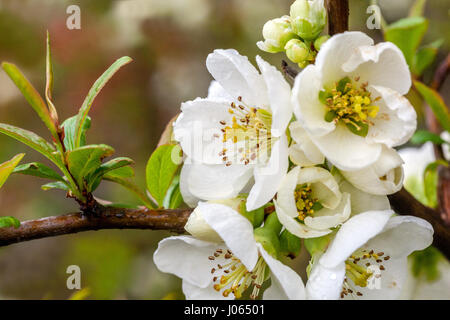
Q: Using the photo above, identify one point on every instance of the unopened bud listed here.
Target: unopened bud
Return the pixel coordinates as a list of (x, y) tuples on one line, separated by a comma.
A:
[(276, 33), (297, 51), (320, 41), (308, 18)]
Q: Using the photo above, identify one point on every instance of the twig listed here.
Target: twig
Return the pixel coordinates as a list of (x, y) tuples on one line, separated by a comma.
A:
[(337, 16)]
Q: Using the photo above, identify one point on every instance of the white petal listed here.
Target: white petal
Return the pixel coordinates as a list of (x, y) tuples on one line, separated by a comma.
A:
[(187, 258), (279, 93), (328, 218), (235, 230), (298, 157), (402, 235), (199, 228), (268, 178), (346, 150), (215, 181), (383, 177), (285, 194), (295, 227), (196, 127), (304, 143), (217, 92), (336, 51), (362, 201), (192, 292), (237, 76), (309, 111), (396, 121), (325, 283), (188, 197), (381, 65), (286, 283), (353, 234)]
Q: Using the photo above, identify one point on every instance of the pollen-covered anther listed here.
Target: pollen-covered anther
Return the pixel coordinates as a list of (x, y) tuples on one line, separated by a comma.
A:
[(305, 202), (235, 277)]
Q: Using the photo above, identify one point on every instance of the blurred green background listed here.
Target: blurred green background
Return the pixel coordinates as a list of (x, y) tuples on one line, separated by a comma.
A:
[(169, 41)]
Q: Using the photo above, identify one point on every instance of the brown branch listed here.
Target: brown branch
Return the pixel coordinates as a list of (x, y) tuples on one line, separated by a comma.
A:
[(103, 218), (441, 74), (337, 16), (404, 203)]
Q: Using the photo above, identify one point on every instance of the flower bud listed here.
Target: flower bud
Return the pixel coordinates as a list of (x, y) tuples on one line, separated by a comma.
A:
[(308, 18), (320, 41), (276, 33), (297, 51)]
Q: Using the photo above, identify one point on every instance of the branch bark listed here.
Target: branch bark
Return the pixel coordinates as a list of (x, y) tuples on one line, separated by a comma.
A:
[(338, 12)]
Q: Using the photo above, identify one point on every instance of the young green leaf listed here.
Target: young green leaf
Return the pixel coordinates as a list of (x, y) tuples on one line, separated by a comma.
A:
[(30, 139), (422, 136), (38, 169), (93, 92), (161, 170), (49, 83), (6, 168), (407, 34), (430, 182), (424, 57), (6, 222), (69, 132), (56, 185), (31, 95), (173, 198), (418, 8), (436, 103), (110, 166), (85, 160), (126, 183)]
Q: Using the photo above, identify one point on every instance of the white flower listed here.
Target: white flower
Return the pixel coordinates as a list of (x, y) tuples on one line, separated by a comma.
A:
[(213, 270), (303, 152), (351, 101), (385, 176), (237, 132), (367, 259), (311, 201), (416, 160)]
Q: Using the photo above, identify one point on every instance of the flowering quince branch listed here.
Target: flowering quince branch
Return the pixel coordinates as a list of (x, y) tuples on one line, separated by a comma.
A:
[(264, 167)]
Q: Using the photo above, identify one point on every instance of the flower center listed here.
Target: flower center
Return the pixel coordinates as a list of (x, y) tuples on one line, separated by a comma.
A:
[(350, 103), (305, 202), (249, 131), (362, 268), (233, 276)]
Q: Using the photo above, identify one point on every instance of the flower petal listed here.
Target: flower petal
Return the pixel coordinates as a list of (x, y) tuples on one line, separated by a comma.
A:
[(193, 292), (396, 121), (187, 258), (295, 227), (325, 218), (383, 177), (217, 92), (346, 150), (353, 234), (325, 283), (285, 194), (279, 93), (238, 76), (235, 230), (199, 228), (402, 235), (336, 51), (381, 65), (188, 197), (268, 178), (304, 143), (286, 283), (309, 111)]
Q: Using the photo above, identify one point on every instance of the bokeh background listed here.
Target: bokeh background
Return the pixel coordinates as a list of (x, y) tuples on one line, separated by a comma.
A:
[(169, 41)]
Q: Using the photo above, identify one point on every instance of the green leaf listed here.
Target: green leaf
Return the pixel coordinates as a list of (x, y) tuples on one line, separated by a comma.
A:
[(6, 168), (38, 170), (290, 244), (69, 132), (130, 186), (30, 139), (110, 166), (424, 57), (6, 222), (407, 34), (31, 95), (49, 83), (160, 171), (173, 198), (430, 180), (256, 217), (85, 160), (425, 263), (55, 185), (417, 8), (422, 136), (434, 100), (317, 245), (93, 92)]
